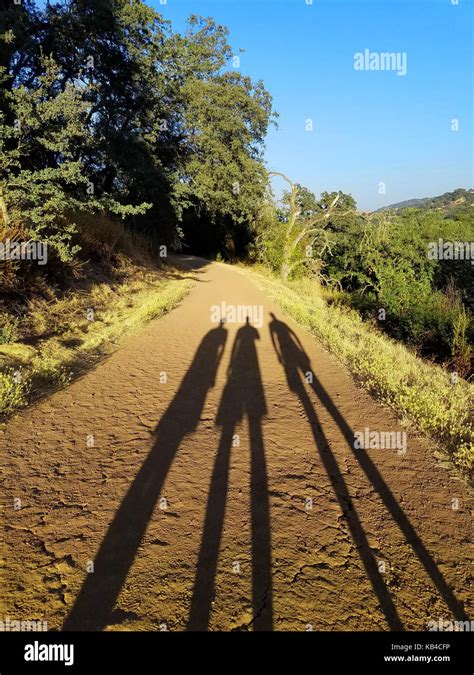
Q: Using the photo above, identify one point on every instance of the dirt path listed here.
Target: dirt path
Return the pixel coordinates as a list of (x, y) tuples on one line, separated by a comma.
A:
[(213, 485)]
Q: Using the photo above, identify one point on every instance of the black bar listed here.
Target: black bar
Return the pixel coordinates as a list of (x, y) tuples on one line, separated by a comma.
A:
[(335, 652)]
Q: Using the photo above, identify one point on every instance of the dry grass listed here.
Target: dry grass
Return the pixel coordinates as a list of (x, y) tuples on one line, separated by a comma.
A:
[(417, 390), (100, 236), (49, 334)]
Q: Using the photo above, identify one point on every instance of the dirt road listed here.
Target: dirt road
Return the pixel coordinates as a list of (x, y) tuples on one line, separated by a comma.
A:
[(205, 477)]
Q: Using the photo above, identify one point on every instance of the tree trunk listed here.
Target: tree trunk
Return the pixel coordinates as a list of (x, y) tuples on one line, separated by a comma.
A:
[(285, 267)]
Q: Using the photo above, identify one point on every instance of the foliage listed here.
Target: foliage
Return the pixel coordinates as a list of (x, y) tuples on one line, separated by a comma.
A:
[(38, 173), (13, 390), (298, 236), (106, 108), (379, 264)]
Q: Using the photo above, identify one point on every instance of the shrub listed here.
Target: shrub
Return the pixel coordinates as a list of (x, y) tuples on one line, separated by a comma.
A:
[(8, 329), (14, 388)]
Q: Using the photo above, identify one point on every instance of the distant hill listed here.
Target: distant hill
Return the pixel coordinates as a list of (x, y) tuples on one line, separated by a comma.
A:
[(447, 201)]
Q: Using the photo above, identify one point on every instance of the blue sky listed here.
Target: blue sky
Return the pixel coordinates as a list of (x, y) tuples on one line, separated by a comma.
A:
[(369, 127)]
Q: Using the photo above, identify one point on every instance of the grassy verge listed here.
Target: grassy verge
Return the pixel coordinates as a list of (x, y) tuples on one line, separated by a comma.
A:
[(27, 371), (417, 390), (57, 331)]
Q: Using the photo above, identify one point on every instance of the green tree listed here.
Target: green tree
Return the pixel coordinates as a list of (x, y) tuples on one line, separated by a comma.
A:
[(163, 128), (304, 225), (39, 175), (226, 120)]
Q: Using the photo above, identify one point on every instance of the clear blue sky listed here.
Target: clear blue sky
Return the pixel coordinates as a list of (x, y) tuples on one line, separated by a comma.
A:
[(369, 127)]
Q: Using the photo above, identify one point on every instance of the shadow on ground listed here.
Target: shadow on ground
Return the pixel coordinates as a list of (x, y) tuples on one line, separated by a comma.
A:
[(243, 397)]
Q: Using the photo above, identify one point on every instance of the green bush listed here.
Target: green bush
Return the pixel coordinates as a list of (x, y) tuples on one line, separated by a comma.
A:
[(383, 263), (8, 329), (14, 388)]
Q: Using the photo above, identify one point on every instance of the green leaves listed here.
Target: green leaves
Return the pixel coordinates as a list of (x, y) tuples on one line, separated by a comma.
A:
[(38, 171), (107, 108)]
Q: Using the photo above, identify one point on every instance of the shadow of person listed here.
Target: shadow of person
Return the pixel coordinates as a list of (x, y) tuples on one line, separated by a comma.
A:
[(296, 364), (95, 603), (243, 396)]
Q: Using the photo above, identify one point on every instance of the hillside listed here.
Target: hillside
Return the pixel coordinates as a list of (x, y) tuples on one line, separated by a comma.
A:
[(448, 201)]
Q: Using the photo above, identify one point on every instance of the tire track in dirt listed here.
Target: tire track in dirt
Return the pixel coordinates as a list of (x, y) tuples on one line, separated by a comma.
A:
[(212, 486)]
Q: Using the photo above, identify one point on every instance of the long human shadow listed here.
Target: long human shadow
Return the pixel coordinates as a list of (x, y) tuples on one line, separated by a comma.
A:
[(296, 363), (243, 396), (94, 605)]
